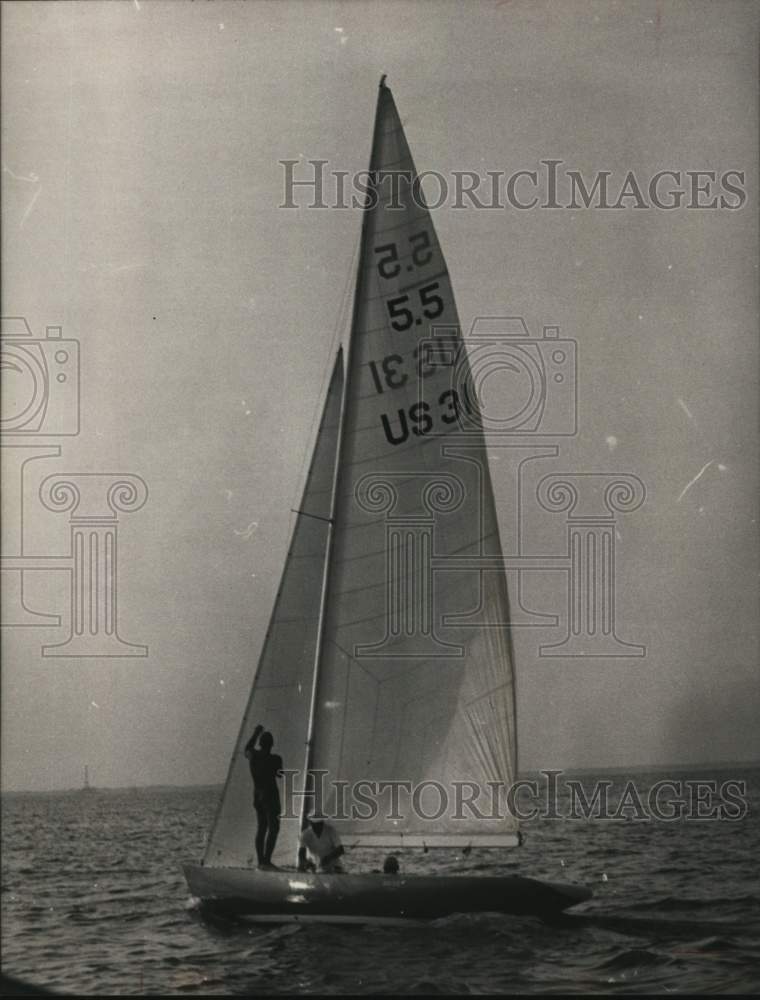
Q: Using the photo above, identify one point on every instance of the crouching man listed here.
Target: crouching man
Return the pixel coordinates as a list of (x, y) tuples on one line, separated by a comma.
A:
[(320, 845)]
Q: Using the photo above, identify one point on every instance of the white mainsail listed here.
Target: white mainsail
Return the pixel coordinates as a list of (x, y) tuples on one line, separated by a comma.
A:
[(415, 680), (281, 694)]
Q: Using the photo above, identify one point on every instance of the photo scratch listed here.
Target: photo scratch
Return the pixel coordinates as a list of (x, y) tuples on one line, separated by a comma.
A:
[(31, 179), (248, 533), (686, 410), (29, 207), (689, 485)]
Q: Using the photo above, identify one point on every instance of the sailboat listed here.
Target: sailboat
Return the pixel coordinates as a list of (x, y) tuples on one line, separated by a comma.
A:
[(387, 665), (87, 787)]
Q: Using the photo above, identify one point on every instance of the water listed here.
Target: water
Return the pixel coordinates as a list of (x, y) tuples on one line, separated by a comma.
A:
[(94, 902)]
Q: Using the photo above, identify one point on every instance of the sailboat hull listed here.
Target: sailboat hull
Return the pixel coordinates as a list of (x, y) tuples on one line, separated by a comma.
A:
[(373, 898)]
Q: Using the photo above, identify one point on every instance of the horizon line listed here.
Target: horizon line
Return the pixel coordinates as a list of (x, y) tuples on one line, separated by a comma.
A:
[(599, 769)]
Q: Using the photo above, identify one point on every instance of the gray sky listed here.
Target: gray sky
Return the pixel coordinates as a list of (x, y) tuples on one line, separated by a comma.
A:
[(141, 187)]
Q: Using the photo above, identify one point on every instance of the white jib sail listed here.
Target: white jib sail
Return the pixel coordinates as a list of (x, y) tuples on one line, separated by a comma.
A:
[(281, 693)]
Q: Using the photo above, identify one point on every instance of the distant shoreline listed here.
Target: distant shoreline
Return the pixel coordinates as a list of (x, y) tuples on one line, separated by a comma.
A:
[(528, 773), (111, 790)]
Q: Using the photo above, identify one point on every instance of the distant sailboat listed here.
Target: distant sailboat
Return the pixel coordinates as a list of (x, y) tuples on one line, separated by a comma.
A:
[(373, 668), (87, 787)]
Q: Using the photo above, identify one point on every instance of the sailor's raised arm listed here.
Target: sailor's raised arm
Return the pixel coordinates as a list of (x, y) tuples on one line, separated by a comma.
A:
[(252, 741)]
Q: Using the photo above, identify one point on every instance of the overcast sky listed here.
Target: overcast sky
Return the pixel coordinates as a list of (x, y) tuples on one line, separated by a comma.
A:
[(141, 187)]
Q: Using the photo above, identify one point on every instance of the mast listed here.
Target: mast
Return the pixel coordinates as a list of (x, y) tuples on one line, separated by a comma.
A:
[(336, 477)]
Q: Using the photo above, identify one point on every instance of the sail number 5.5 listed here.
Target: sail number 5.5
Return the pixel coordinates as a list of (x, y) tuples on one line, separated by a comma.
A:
[(402, 318)]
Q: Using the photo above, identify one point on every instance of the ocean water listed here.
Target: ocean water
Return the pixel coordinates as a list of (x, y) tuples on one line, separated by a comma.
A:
[(94, 902)]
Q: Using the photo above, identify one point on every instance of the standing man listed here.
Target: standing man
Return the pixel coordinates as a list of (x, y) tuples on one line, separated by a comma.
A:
[(265, 767)]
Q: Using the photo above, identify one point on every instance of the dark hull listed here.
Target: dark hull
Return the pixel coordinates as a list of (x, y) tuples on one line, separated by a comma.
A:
[(292, 896)]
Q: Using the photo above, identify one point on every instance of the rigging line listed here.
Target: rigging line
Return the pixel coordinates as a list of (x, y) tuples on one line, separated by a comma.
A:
[(354, 662), (340, 322), (317, 517)]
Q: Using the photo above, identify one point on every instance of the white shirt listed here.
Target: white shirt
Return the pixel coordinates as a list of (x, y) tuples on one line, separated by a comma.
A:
[(320, 847)]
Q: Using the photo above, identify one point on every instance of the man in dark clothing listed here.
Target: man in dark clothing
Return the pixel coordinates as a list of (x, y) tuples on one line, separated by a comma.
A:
[(265, 767)]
